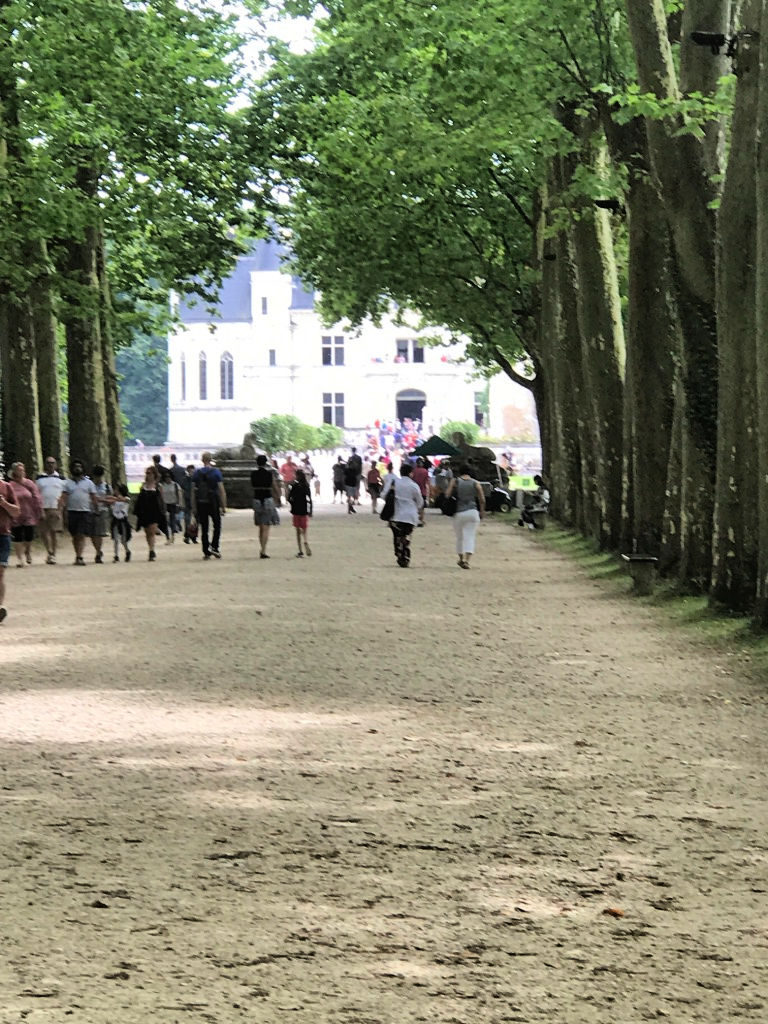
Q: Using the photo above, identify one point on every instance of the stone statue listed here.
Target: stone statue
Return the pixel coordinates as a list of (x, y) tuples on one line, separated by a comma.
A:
[(481, 460), (247, 452), (236, 465)]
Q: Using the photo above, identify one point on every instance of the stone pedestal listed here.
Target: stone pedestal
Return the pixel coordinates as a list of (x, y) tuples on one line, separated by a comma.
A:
[(237, 482)]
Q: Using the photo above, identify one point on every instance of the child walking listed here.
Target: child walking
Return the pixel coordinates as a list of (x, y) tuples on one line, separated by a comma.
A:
[(300, 500), (121, 527)]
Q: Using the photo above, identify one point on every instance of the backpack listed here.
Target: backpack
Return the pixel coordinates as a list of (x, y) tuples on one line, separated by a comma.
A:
[(206, 492)]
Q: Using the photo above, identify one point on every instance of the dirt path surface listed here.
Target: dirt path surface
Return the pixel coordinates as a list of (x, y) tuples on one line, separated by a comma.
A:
[(318, 790)]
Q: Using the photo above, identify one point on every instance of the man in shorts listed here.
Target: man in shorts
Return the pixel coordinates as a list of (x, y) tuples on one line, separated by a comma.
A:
[(9, 510), (78, 500), (50, 484)]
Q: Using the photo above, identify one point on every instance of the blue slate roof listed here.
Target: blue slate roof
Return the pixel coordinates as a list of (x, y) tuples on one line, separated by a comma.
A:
[(302, 297), (234, 305)]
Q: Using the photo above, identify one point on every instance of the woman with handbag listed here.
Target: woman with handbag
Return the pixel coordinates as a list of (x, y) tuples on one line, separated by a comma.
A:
[(470, 509), (403, 513)]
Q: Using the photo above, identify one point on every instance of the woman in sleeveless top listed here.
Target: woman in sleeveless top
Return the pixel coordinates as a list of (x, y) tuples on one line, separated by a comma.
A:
[(470, 509), (264, 492)]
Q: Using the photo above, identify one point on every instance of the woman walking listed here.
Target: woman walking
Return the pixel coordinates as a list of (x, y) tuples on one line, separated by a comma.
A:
[(266, 495), (470, 509), (172, 499), (27, 497), (150, 514), (300, 500), (408, 505), (375, 483)]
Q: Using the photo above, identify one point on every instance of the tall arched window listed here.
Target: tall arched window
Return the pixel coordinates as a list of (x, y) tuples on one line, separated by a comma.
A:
[(183, 377), (203, 377), (227, 371)]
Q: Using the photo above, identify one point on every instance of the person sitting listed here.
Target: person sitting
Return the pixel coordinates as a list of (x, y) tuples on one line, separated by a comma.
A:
[(540, 504)]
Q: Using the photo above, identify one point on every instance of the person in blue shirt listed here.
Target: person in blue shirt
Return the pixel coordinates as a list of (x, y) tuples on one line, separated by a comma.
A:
[(209, 504)]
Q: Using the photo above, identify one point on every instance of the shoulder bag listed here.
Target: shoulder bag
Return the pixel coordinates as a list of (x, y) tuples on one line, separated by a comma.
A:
[(451, 503), (388, 510)]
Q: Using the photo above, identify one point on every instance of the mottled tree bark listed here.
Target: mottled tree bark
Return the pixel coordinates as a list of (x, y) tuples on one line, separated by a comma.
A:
[(21, 436), (681, 165), (736, 506), (116, 461), (47, 349), (652, 342), (85, 370), (761, 322)]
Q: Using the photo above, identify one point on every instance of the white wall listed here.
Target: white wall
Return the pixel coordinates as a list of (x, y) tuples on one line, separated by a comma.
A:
[(369, 379)]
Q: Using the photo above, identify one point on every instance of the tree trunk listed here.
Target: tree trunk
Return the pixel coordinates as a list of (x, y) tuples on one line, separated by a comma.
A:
[(557, 332), (671, 536), (761, 321), (572, 399), (735, 523), (680, 163), (652, 342), (601, 334), (47, 348), (85, 371), (21, 435), (602, 340), (116, 462)]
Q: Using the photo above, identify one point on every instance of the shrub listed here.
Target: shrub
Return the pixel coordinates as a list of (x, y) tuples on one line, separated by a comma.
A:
[(471, 431), (279, 433)]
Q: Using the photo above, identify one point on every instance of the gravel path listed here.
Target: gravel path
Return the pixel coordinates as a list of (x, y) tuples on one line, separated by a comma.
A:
[(330, 790)]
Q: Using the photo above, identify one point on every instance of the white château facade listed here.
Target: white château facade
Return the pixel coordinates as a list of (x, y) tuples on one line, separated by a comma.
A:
[(266, 351)]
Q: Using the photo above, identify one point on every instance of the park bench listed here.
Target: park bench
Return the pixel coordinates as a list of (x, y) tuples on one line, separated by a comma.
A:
[(642, 569)]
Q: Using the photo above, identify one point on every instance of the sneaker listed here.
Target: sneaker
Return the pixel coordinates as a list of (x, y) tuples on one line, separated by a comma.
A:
[(79, 561), (206, 557), (51, 560), (300, 554), (127, 556), (152, 556), (262, 555), (186, 540), (29, 559), (19, 565), (116, 558), (99, 558), (215, 552), (3, 614), (307, 549)]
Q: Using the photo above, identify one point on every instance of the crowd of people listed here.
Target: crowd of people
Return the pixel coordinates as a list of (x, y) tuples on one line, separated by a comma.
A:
[(190, 502)]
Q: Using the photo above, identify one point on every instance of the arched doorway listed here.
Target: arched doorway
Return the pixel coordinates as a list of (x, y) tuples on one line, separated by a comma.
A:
[(410, 404)]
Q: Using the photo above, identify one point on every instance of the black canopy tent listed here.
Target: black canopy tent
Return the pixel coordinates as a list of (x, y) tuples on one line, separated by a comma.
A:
[(436, 446)]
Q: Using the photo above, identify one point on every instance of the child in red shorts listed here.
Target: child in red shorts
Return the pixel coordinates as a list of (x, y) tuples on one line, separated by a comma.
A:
[(300, 500)]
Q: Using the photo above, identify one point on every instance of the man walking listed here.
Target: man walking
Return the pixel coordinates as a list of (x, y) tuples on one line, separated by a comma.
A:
[(186, 490), (209, 504), (50, 484), (9, 510), (78, 499), (354, 462)]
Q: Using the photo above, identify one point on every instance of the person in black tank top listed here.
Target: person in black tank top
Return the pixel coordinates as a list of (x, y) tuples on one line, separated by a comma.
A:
[(264, 511)]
